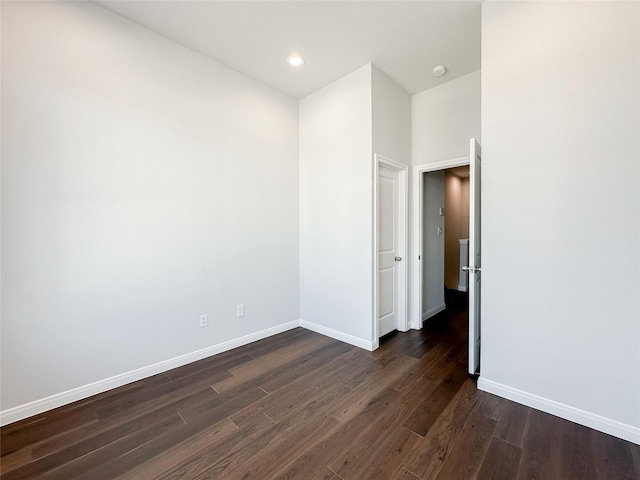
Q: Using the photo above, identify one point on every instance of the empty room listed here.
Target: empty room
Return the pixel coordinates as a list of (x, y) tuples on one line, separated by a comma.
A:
[(389, 240)]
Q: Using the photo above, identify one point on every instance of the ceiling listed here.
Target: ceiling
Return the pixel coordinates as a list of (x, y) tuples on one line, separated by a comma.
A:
[(462, 172), (405, 39)]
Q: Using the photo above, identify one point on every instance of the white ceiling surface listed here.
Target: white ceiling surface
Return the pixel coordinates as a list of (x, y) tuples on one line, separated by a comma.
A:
[(405, 39)]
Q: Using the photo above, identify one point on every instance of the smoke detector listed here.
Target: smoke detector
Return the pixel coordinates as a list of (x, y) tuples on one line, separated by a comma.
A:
[(439, 70)]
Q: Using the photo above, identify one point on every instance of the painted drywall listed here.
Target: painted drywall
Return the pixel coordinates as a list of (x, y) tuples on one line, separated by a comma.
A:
[(336, 169), (142, 185), (341, 127), (432, 243), (391, 118), (456, 225), (561, 208), (444, 118)]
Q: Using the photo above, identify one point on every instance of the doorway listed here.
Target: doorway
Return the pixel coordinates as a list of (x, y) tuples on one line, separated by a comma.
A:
[(421, 265), (445, 239), (417, 271)]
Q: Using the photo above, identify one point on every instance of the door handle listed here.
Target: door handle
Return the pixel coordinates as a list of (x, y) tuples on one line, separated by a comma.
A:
[(471, 269), (398, 259)]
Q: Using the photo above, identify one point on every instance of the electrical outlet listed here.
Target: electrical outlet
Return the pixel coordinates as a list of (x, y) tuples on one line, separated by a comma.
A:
[(240, 311), (204, 320)]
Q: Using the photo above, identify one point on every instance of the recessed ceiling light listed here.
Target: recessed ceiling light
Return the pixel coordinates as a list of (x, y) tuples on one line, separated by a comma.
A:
[(295, 60), (439, 70)]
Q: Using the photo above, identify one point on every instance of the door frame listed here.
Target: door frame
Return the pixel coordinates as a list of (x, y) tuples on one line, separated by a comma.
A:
[(403, 243), (416, 223)]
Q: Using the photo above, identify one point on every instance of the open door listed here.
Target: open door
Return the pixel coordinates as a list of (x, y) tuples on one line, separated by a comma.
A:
[(474, 257)]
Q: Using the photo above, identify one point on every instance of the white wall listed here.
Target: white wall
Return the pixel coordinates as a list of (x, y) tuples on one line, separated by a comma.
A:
[(341, 126), (444, 118), (561, 203), (336, 207), (391, 118), (142, 185), (432, 244)]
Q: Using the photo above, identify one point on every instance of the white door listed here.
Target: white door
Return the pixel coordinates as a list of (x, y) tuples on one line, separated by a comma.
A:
[(474, 257), (388, 247)]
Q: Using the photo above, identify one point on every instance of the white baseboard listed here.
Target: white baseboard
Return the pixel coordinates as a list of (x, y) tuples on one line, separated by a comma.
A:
[(588, 419), (54, 401), (462, 288), (343, 337), (434, 311)]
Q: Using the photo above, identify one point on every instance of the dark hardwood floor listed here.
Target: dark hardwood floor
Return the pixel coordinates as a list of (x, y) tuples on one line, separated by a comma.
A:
[(300, 405)]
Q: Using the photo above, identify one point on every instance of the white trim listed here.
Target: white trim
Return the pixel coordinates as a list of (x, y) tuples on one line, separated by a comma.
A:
[(403, 273), (434, 311), (54, 401), (443, 165), (343, 337), (415, 263), (582, 417), (462, 288)]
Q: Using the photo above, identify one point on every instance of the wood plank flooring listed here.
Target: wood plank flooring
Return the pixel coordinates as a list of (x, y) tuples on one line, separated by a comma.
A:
[(302, 406)]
